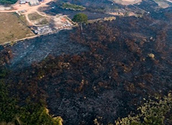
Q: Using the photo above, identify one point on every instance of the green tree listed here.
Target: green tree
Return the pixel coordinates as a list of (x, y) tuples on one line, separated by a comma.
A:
[(29, 114), (7, 2), (153, 112), (80, 18)]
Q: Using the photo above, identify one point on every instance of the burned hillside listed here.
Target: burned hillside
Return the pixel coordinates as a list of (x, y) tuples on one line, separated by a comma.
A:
[(127, 60)]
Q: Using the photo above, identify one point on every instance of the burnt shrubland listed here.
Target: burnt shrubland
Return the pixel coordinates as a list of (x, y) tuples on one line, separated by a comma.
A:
[(128, 59)]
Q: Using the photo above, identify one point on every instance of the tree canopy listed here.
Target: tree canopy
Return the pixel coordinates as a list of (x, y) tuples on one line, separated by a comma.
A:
[(80, 18), (7, 1)]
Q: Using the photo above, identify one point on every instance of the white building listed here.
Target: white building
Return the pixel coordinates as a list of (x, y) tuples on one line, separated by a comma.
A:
[(31, 2), (23, 1)]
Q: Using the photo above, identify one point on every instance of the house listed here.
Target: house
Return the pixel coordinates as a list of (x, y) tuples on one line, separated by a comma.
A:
[(33, 2), (22, 1)]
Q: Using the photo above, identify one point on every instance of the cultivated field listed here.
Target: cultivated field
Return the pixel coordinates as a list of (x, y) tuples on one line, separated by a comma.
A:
[(12, 28)]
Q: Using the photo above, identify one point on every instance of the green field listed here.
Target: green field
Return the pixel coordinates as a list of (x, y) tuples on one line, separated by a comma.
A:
[(12, 28), (72, 6)]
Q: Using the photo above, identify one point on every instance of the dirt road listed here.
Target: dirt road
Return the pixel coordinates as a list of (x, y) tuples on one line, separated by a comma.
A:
[(26, 8)]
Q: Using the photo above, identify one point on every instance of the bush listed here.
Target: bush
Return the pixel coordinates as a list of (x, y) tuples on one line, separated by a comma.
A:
[(80, 18), (72, 6), (153, 112), (30, 114)]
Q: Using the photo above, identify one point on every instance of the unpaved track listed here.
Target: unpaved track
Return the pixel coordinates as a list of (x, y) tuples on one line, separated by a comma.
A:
[(27, 9)]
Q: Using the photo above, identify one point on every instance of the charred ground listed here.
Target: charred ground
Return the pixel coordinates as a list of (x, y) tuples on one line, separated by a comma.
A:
[(103, 71), (128, 59)]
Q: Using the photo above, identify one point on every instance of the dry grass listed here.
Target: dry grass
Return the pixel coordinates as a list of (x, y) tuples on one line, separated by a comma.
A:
[(34, 16), (12, 28), (37, 19)]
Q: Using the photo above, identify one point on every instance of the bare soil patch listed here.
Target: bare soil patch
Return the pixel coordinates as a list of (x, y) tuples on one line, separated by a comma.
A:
[(37, 19), (34, 16)]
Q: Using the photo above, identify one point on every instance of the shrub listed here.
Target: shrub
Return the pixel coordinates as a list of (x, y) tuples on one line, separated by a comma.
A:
[(153, 112)]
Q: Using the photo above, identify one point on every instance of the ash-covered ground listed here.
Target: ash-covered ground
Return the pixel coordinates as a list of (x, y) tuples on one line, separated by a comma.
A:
[(102, 73), (34, 50)]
